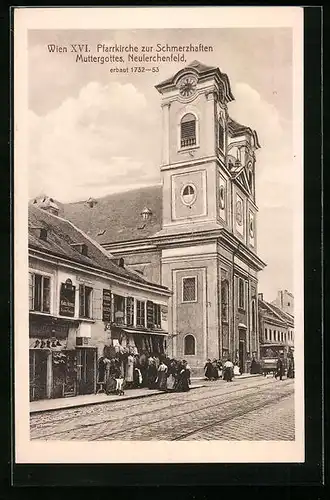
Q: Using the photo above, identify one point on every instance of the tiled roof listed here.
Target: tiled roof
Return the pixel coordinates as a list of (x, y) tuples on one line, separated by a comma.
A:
[(117, 217), (276, 311), (62, 235)]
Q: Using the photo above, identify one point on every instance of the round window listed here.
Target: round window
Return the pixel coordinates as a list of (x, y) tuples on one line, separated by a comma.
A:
[(188, 194)]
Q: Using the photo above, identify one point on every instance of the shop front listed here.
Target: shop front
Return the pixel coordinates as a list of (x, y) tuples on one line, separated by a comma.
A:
[(58, 367), (124, 342)]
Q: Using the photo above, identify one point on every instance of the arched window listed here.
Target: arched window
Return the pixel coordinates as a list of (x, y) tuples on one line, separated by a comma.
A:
[(189, 345), (221, 135), (188, 131), (224, 300)]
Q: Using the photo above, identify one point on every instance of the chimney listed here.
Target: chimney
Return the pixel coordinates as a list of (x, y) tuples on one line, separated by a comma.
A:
[(260, 296), (47, 204)]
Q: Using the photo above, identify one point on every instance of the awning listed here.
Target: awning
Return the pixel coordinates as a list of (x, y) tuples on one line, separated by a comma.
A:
[(145, 332)]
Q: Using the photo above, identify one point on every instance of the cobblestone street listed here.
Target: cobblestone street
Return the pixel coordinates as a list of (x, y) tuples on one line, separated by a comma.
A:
[(247, 409)]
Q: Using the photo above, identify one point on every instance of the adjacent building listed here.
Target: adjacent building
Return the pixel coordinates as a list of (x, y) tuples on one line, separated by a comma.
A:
[(83, 304), (196, 233), (285, 301), (276, 328)]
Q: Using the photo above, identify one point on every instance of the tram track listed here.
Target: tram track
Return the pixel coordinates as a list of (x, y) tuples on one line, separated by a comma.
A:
[(228, 419), (124, 434), (168, 400)]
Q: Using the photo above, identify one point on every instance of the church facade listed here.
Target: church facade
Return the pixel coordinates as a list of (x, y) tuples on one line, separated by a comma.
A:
[(197, 232)]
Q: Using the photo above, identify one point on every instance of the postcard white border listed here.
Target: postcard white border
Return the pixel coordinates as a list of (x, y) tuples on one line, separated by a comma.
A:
[(147, 18)]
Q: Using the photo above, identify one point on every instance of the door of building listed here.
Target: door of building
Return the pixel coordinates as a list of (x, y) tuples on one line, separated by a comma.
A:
[(86, 370), (242, 349), (38, 374)]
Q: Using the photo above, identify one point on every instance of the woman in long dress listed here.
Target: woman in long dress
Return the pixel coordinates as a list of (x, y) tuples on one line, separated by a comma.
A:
[(151, 373), (129, 370), (228, 371), (208, 370), (171, 379), (110, 386), (162, 377), (183, 378)]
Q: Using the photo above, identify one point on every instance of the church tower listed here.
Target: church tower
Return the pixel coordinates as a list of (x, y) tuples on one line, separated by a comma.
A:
[(208, 235)]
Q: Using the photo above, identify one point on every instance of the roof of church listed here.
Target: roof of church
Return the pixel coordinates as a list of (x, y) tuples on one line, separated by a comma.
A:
[(117, 217), (202, 69), (236, 129), (62, 241)]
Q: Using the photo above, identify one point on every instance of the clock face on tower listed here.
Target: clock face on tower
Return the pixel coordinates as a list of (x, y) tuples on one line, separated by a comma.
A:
[(187, 86)]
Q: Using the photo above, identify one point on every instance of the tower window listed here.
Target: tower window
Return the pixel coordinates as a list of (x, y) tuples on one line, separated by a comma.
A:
[(222, 197), (188, 194), (189, 345), (189, 289), (188, 130), (221, 135)]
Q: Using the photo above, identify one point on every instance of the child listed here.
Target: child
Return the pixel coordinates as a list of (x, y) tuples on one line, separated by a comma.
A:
[(119, 382)]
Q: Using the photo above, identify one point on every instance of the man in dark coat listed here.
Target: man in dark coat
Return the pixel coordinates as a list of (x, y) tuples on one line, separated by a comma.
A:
[(279, 368)]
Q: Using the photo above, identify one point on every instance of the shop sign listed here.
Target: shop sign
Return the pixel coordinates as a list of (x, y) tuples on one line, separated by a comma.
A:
[(106, 306), (47, 329), (83, 280), (67, 299)]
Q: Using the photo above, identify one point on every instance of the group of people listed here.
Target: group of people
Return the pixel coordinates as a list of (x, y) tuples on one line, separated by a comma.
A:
[(215, 370), (280, 369), (150, 371)]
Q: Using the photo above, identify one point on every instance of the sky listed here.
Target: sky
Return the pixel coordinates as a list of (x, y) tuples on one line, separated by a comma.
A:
[(92, 132)]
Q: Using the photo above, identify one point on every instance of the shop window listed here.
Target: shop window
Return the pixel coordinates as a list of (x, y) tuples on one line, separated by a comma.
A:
[(130, 311), (189, 345), (39, 293), (224, 300), (189, 291), (241, 294), (119, 309), (140, 313), (85, 301), (188, 130)]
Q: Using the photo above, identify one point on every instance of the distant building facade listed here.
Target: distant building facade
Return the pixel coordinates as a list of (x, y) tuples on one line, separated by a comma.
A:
[(196, 234), (285, 301), (276, 329), (83, 304)]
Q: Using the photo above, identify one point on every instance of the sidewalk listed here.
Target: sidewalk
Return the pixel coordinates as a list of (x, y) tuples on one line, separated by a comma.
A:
[(93, 399)]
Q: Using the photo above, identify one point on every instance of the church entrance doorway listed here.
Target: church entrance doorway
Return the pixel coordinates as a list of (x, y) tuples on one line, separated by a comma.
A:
[(242, 348)]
